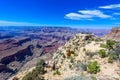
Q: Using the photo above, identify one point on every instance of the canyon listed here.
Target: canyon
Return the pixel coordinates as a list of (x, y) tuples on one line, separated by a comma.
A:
[(21, 47), (83, 57)]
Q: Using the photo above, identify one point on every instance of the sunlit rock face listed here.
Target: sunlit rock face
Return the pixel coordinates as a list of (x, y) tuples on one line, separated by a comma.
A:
[(114, 34)]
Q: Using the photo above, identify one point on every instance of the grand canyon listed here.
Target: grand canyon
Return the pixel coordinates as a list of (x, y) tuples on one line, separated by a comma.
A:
[(25, 45), (59, 39)]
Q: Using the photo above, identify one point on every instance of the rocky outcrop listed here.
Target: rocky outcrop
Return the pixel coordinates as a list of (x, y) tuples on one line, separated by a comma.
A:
[(114, 34), (72, 59)]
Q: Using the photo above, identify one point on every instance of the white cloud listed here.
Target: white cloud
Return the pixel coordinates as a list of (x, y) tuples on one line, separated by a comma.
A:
[(12, 23), (114, 6), (87, 14), (94, 13), (116, 13), (76, 16)]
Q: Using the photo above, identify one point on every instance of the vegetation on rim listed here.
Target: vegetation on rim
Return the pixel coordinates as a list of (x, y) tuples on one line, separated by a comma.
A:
[(36, 74), (93, 67)]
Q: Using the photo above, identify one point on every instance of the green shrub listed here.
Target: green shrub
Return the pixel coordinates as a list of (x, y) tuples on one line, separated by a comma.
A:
[(35, 74), (110, 60), (40, 66), (40, 63), (92, 39), (112, 56), (78, 78), (103, 46), (88, 42), (84, 49), (93, 67), (102, 53), (97, 40), (57, 72), (110, 44)]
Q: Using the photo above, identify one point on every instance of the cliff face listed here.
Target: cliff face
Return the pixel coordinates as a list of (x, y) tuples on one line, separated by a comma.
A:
[(114, 34), (80, 50), (14, 53)]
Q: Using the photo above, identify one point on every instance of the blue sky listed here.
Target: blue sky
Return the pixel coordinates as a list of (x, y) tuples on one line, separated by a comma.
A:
[(74, 13)]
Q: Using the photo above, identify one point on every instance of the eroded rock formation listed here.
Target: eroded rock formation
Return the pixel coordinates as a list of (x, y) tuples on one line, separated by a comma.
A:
[(114, 34)]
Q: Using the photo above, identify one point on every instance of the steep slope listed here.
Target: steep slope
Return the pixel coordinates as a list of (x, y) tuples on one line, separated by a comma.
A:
[(73, 58), (81, 59), (114, 34)]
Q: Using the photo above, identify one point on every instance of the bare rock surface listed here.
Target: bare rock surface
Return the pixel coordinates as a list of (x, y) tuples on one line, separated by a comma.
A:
[(114, 34)]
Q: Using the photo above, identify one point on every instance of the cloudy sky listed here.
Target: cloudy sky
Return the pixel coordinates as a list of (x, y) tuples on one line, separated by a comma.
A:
[(74, 13)]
